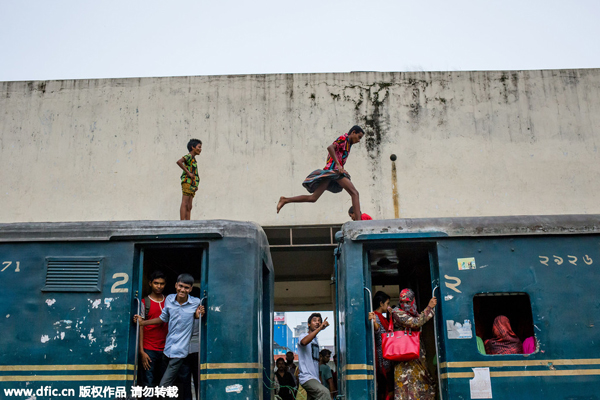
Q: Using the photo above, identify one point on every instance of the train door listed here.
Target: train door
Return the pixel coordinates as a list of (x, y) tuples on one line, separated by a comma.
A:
[(170, 260), (396, 266), (266, 330)]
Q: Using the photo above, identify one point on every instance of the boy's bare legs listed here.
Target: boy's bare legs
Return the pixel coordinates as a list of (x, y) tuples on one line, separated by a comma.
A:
[(305, 198), (185, 211), (349, 186)]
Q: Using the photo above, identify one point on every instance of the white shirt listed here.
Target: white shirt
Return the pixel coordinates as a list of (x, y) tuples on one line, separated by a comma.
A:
[(308, 358)]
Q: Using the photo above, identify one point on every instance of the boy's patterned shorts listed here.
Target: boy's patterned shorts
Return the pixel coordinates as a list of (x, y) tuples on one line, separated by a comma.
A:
[(188, 190)]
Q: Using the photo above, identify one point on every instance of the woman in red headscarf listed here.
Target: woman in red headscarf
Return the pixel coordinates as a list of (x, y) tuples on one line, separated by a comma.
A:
[(412, 379), (504, 341)]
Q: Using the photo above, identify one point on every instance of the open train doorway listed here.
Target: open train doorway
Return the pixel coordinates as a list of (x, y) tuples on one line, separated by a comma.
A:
[(169, 261), (407, 265)]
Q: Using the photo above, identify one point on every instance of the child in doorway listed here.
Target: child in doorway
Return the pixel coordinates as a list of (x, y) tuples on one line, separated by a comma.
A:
[(333, 177), (189, 177), (152, 338)]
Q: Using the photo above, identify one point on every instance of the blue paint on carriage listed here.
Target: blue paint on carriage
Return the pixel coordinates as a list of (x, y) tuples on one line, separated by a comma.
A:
[(73, 339), (554, 260)]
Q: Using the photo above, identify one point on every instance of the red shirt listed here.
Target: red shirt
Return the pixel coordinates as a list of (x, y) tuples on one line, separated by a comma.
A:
[(155, 335), (365, 217)]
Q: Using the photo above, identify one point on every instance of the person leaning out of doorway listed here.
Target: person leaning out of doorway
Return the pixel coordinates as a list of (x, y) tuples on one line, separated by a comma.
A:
[(381, 323), (412, 379), (179, 313)]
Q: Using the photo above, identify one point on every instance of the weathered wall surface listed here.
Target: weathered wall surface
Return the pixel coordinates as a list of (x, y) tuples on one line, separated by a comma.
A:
[(468, 144)]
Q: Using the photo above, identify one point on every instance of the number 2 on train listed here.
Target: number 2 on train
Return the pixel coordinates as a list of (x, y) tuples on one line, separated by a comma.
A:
[(115, 287)]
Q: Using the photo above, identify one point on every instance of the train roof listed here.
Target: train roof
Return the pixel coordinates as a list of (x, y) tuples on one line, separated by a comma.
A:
[(126, 230), (515, 225)]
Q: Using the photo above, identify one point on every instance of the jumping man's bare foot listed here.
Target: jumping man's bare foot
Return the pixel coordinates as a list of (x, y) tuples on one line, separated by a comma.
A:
[(280, 204)]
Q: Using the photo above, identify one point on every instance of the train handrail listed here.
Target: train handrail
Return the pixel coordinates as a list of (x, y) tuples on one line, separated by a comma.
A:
[(137, 341), (437, 354), (374, 349), (200, 347)]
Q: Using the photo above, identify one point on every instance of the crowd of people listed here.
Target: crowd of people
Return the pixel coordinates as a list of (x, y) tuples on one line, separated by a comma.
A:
[(168, 346)]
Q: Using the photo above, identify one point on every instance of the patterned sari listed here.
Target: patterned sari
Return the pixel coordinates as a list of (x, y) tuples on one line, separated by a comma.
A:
[(412, 379)]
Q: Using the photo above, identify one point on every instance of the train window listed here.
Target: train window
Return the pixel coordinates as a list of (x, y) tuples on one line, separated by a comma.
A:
[(513, 334), (73, 274)]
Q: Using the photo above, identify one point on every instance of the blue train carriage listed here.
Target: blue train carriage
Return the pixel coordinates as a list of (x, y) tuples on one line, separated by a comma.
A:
[(70, 291), (541, 272)]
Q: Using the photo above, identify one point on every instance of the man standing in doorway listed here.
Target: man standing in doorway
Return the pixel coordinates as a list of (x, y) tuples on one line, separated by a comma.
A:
[(308, 357), (180, 311)]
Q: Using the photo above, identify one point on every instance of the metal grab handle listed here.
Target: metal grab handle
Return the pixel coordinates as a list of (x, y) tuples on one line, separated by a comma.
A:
[(137, 342), (437, 353), (374, 349), (199, 377)]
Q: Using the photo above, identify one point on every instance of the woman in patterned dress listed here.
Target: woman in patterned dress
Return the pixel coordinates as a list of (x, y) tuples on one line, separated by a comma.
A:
[(384, 370), (412, 379), (333, 177)]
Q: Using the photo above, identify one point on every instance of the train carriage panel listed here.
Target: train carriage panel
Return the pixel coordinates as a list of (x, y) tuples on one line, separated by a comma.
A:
[(66, 314), (545, 286)]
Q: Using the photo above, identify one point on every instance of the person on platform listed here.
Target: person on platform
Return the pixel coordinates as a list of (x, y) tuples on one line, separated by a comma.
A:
[(325, 371), (308, 357), (287, 384), (291, 367)]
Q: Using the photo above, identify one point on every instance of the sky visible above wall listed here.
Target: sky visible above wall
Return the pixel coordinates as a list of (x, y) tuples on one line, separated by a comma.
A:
[(43, 40)]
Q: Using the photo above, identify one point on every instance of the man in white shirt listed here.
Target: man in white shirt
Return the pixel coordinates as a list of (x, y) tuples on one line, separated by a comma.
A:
[(308, 358)]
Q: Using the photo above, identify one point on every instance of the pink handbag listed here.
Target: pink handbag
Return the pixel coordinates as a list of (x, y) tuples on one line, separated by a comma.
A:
[(401, 345)]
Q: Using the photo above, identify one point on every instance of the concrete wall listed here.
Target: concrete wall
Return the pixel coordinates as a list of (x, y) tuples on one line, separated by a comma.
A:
[(468, 144)]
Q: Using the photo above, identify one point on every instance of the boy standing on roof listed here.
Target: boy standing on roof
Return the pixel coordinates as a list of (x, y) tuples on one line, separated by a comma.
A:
[(153, 337), (179, 312), (189, 177)]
